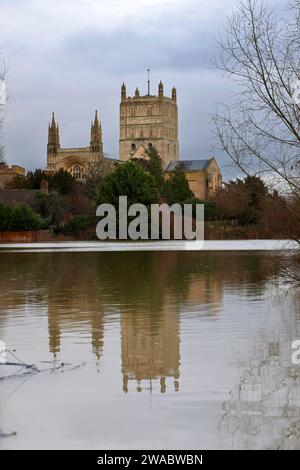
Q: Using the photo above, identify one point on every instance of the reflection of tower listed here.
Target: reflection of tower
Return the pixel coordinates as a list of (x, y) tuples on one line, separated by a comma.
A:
[(75, 319), (150, 347), (97, 333), (71, 306), (54, 330), (205, 293)]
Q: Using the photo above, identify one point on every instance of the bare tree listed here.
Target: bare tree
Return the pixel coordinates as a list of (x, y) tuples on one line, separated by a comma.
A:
[(95, 172), (260, 130)]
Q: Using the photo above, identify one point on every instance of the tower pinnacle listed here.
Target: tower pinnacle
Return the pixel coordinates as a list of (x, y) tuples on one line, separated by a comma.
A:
[(160, 89), (174, 94), (123, 92), (148, 70), (53, 136), (96, 135)]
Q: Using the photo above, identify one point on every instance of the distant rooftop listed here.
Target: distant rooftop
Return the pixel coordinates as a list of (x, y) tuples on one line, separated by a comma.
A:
[(189, 165)]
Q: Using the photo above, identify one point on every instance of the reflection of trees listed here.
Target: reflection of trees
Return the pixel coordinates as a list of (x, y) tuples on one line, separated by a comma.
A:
[(263, 410), (148, 290), (126, 277)]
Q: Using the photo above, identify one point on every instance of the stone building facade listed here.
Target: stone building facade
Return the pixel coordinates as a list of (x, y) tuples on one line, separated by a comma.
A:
[(204, 176), (7, 173), (147, 121), (77, 161)]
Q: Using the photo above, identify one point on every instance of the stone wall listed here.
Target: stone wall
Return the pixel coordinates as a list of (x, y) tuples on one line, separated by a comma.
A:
[(8, 172), (198, 184), (29, 236), (204, 184), (15, 197)]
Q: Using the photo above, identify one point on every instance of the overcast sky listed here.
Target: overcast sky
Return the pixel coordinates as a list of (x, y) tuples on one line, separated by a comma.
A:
[(71, 56)]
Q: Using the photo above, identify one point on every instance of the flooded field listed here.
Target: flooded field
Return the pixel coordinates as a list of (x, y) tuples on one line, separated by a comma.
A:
[(158, 350)]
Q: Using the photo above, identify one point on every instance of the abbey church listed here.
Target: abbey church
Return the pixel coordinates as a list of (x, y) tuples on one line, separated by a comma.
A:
[(146, 121), (77, 161)]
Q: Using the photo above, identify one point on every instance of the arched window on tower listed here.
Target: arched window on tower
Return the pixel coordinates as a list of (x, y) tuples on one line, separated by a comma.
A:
[(133, 147), (133, 111), (150, 146)]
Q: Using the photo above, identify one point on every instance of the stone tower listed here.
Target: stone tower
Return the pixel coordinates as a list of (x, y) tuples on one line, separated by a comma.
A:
[(147, 121)]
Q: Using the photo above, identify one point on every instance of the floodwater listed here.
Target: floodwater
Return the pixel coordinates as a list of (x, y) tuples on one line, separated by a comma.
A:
[(161, 350)]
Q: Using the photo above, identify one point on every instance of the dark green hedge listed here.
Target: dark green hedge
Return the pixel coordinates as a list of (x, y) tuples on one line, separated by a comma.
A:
[(19, 218)]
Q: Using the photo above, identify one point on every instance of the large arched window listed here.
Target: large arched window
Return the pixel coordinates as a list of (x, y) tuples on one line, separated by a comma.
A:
[(77, 171)]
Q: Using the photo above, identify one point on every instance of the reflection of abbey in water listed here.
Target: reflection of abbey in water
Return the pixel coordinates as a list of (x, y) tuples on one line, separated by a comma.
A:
[(150, 323), (75, 320)]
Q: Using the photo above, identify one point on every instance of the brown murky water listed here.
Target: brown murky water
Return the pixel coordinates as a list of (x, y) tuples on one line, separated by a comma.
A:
[(174, 350)]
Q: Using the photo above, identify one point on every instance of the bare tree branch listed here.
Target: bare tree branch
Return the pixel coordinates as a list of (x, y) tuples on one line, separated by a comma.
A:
[(260, 131)]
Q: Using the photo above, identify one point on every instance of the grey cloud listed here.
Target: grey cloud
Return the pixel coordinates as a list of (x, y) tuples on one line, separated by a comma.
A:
[(125, 51), (83, 69)]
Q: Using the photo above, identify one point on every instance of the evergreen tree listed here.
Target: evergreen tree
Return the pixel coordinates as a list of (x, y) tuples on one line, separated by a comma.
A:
[(176, 187), (18, 218), (128, 179), (156, 168), (257, 190), (35, 178), (153, 165), (62, 181)]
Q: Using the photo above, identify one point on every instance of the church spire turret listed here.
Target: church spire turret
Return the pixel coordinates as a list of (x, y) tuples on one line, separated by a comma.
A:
[(53, 136), (96, 144), (123, 92)]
